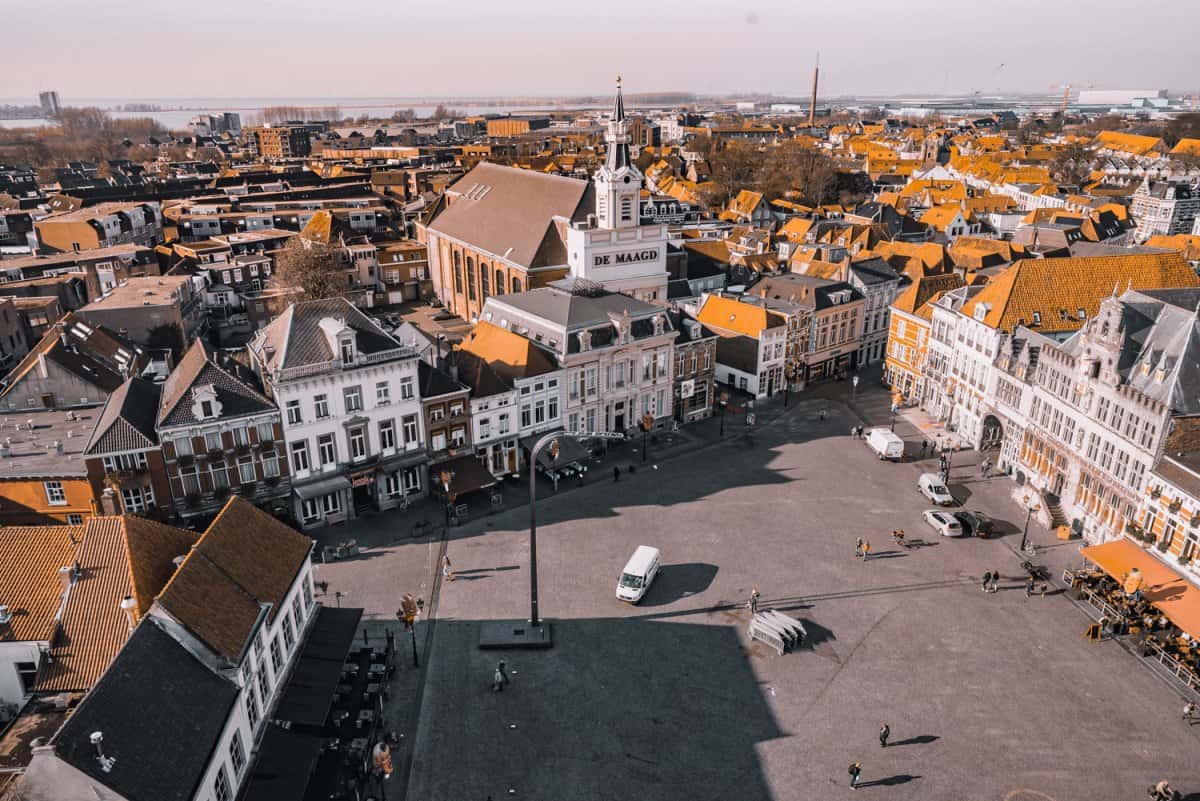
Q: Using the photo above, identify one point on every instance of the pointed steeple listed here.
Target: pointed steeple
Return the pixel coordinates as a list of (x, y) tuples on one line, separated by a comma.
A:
[(618, 135)]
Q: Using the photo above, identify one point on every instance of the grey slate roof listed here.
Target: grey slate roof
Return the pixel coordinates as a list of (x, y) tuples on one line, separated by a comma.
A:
[(127, 420), (435, 383), (873, 271), (572, 311), (510, 212), (163, 750), (237, 396), (297, 338)]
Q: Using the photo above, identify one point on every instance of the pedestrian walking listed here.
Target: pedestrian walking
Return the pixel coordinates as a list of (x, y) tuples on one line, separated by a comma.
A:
[(497, 680), (502, 669), (987, 581), (823, 414), (447, 569), (858, 548), (995, 581), (1029, 587), (616, 474), (1189, 711), (885, 731), (924, 448), (855, 770), (866, 550), (754, 600), (984, 466)]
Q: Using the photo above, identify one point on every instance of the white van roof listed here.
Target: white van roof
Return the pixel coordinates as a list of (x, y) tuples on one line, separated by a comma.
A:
[(886, 433), (641, 560)]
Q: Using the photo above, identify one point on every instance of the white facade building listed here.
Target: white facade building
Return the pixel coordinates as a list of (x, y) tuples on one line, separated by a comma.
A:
[(352, 420)]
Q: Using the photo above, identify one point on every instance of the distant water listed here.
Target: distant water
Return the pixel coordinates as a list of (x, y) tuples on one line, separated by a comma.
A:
[(178, 111)]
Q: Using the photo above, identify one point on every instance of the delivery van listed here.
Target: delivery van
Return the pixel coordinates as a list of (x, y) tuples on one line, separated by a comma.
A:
[(886, 444), (639, 571)]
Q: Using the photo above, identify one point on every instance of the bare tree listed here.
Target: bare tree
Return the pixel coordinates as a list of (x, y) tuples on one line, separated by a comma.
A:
[(1072, 164), (733, 167), (312, 267)]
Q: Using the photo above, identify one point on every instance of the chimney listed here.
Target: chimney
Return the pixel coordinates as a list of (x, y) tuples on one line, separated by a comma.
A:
[(6, 448), (58, 447), (127, 606), (106, 762), (108, 502)]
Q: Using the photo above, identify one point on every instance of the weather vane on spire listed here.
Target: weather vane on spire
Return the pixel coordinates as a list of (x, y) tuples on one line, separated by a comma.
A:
[(618, 81)]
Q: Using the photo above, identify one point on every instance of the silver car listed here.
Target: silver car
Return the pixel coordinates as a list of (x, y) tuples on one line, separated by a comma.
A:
[(943, 523)]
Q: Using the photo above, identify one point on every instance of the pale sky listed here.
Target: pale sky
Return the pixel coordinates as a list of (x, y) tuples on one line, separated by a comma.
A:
[(136, 49)]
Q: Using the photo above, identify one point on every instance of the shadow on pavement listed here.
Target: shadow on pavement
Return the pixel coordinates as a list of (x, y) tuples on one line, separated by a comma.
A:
[(921, 739), (678, 581), (597, 716), (890, 781)]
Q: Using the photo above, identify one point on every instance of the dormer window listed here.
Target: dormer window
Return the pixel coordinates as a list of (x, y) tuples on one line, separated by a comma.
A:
[(205, 405), (347, 351), (1037, 318)]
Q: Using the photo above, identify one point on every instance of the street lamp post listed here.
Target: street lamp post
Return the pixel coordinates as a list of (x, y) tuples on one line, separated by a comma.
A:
[(552, 441), (447, 476), (724, 401), (1029, 510), (647, 424), (854, 388)]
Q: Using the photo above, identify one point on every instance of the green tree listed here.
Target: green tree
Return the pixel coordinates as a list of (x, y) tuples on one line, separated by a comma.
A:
[(312, 267)]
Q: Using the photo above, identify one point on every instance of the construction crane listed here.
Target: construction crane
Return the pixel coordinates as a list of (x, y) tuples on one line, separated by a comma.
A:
[(1066, 98)]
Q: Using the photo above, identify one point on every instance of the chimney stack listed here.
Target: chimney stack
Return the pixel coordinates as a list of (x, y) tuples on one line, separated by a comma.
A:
[(108, 503), (127, 606), (812, 106), (66, 576)]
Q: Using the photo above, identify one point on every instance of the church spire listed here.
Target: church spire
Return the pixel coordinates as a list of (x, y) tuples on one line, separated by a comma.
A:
[(618, 135)]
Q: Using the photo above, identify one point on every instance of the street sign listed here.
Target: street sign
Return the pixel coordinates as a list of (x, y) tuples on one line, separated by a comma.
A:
[(647, 421), (687, 388)]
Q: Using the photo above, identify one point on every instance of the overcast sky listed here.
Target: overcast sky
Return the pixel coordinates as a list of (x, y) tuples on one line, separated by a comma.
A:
[(370, 48)]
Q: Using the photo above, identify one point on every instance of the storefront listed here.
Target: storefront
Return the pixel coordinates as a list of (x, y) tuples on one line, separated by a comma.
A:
[(323, 502)]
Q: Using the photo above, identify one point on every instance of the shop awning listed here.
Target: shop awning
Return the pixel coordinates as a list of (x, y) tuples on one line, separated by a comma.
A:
[(284, 766), (314, 679), (569, 450), (321, 488), (469, 474), (1164, 587)]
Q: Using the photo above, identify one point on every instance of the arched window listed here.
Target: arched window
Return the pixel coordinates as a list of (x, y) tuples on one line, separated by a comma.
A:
[(499, 282), (484, 279), (516, 284), (470, 278), (458, 276)]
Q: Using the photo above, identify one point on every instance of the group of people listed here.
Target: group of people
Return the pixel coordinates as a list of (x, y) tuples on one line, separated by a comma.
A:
[(862, 549)]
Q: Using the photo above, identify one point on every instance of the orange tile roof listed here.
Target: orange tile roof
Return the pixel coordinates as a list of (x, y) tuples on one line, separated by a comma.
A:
[(1187, 244), (1186, 147), (245, 558), (119, 556), (1057, 288), (940, 217), (1128, 143), (30, 557), (745, 203), (510, 355), (923, 289), (733, 315)]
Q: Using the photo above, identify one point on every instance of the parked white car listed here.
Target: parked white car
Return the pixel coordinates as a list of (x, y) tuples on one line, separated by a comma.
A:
[(930, 485), (943, 523)]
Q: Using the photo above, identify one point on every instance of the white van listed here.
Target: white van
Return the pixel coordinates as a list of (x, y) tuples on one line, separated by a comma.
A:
[(886, 443), (932, 487), (639, 571)]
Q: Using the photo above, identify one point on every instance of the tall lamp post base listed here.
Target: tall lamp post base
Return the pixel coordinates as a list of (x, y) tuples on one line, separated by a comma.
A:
[(510, 634)]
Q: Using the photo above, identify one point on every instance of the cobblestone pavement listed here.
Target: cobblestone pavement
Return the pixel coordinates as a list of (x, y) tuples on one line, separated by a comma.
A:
[(989, 696)]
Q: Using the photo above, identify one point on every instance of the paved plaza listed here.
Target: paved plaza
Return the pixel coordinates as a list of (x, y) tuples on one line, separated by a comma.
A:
[(989, 696)]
